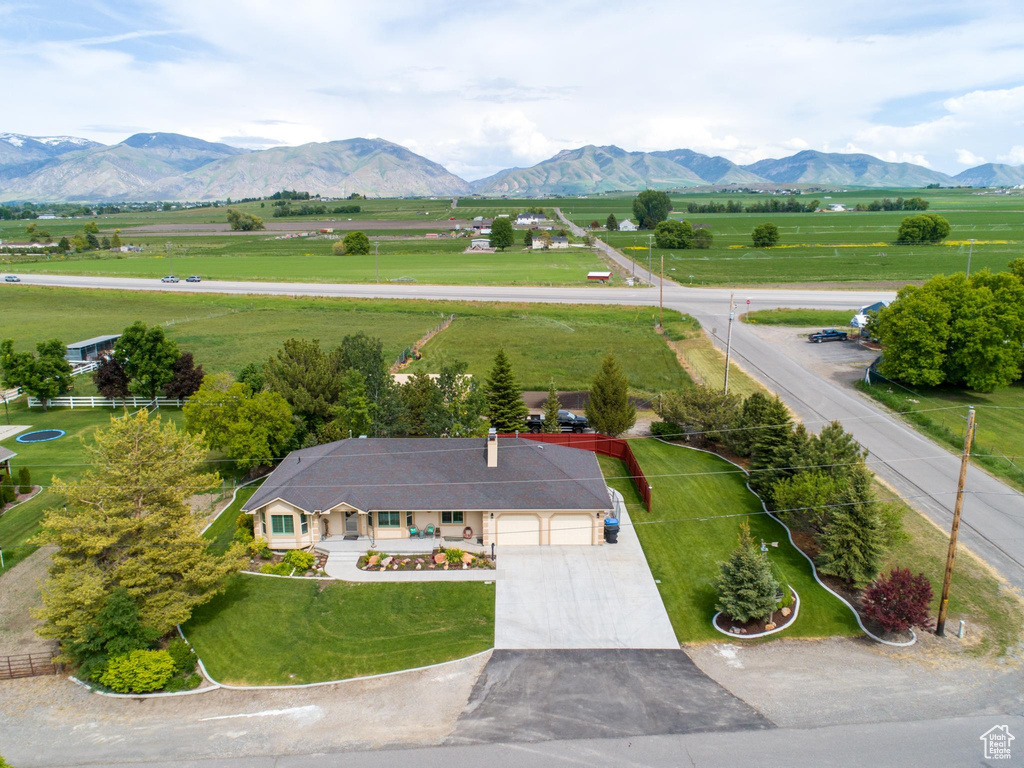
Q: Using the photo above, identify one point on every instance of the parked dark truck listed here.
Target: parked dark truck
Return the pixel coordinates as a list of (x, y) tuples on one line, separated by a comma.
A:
[(829, 334), (567, 420)]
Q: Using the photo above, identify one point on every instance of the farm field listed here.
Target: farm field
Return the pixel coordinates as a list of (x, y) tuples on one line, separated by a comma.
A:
[(250, 633), (801, 318), (563, 343), (311, 260)]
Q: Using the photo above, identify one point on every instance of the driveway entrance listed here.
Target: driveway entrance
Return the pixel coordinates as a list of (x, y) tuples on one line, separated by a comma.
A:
[(580, 597)]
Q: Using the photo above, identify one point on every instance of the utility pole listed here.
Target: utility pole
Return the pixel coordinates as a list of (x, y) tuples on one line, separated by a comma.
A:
[(661, 292), (728, 340), (970, 253), (940, 625), (376, 258)]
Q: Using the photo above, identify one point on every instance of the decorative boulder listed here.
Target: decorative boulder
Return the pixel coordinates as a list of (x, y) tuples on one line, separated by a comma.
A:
[(446, 566), (386, 561), (786, 611), (465, 566), (374, 559), (769, 626), (467, 557), (419, 566), (439, 558)]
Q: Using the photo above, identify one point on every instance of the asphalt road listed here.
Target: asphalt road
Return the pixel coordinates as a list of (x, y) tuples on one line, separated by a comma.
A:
[(993, 521)]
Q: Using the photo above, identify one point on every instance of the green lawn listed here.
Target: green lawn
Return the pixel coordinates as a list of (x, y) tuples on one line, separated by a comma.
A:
[(311, 260), (221, 532), (64, 457), (801, 318), (547, 342), (999, 430), (267, 631), (685, 553)]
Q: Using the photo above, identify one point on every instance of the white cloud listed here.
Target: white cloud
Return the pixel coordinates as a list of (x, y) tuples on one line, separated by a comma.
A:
[(1014, 157), (966, 157)]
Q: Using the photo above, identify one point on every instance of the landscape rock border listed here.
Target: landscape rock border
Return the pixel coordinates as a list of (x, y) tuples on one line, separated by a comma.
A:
[(787, 625)]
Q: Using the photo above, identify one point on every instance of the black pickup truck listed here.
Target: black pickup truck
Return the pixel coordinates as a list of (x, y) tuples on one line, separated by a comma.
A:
[(829, 334), (567, 420)]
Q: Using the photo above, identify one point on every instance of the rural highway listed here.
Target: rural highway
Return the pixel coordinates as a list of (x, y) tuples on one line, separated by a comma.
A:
[(922, 471)]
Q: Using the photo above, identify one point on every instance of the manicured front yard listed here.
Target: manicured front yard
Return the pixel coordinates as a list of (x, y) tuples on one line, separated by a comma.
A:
[(269, 631), (693, 526)]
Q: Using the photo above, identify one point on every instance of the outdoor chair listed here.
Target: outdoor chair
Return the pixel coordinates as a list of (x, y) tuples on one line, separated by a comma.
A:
[(414, 532), (429, 532)]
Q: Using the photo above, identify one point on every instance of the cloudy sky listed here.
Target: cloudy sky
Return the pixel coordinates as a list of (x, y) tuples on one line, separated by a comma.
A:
[(486, 85)]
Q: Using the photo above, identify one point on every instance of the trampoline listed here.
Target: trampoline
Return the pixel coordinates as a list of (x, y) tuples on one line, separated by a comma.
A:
[(40, 436)]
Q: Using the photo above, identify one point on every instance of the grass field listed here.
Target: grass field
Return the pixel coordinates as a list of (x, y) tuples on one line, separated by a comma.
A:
[(311, 260), (221, 532), (267, 631), (999, 430), (801, 318), (693, 526), (560, 342)]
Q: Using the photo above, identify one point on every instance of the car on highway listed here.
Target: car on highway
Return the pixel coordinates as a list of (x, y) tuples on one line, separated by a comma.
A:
[(193, 279), (828, 334), (12, 279), (169, 279)]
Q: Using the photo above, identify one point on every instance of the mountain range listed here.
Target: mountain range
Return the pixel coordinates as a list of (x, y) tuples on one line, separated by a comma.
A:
[(169, 166)]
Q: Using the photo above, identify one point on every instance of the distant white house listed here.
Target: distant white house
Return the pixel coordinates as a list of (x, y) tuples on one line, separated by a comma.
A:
[(529, 219), (837, 207), (559, 242), (627, 226), (860, 320), (479, 243), (485, 230)]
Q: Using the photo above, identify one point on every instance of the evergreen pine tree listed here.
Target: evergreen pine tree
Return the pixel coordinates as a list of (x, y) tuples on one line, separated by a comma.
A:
[(772, 446), (551, 408), (747, 589), (24, 480), (851, 544), (505, 407), (609, 409), (611, 223)]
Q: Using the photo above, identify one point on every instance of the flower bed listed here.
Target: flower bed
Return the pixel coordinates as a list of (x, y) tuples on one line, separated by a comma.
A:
[(438, 560), (294, 562), (783, 616)]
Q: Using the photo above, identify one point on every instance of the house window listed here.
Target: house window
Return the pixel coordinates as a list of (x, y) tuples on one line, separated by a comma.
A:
[(389, 519), (452, 518), (282, 524), (262, 522), (408, 519), (304, 523)]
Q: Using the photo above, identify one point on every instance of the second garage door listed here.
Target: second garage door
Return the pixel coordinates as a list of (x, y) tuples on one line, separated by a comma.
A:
[(571, 530), (518, 530)]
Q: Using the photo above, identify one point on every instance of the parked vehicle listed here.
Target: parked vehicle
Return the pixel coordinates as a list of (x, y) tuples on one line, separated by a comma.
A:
[(12, 279), (193, 279), (828, 334), (567, 420), (169, 279)]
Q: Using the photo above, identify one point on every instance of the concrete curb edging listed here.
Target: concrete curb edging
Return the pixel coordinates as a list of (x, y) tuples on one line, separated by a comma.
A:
[(234, 495), (283, 576), (38, 490), (814, 570), (787, 625)]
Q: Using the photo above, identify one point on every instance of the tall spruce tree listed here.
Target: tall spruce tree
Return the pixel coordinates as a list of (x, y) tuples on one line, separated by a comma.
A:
[(505, 407), (747, 589), (772, 447), (551, 408), (609, 409), (851, 544)]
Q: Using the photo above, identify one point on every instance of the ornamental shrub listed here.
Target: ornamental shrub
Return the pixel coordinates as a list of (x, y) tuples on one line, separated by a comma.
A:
[(243, 535), (24, 481), (138, 671), (453, 556), (666, 429), (747, 589), (244, 521), (299, 560), (899, 601), (186, 683), (277, 569), (182, 654)]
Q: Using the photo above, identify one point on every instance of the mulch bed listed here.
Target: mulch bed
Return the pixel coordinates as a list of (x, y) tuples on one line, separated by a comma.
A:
[(22, 497), (853, 597), (754, 626)]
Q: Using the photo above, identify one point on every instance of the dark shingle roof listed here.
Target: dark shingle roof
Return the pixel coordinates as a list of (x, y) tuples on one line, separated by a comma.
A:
[(436, 473)]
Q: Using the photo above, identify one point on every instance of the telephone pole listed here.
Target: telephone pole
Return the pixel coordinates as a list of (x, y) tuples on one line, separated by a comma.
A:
[(940, 625), (728, 340), (661, 292), (970, 253)]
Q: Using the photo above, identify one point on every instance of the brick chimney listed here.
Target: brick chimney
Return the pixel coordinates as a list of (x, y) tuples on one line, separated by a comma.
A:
[(492, 447)]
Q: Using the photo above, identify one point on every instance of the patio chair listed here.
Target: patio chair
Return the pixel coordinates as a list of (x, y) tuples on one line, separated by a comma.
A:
[(429, 532), (415, 532)]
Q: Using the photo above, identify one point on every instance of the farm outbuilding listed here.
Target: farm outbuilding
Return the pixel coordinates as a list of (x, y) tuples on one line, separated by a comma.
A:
[(91, 349)]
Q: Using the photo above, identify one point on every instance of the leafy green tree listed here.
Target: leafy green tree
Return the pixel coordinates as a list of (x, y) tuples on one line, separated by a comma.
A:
[(366, 355), (765, 235), (338, 249), (747, 588), (244, 222), (505, 407), (851, 544), (115, 631), (702, 238), (127, 523), (64, 245), (308, 378), (147, 357), (611, 223), (356, 244), (186, 378), (424, 406), (110, 379), (115, 240), (252, 376), (251, 429), (551, 408), (651, 207), (78, 243), (986, 331), (528, 238), (803, 500), (464, 401), (914, 331), (502, 234), (673, 234), (701, 412), (353, 412), (1016, 268), (91, 228), (609, 409), (922, 228), (44, 375)]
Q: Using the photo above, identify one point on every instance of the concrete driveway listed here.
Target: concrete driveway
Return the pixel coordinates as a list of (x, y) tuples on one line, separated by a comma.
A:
[(580, 597)]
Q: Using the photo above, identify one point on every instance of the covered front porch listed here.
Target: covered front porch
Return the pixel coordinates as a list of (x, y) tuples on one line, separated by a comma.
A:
[(407, 546)]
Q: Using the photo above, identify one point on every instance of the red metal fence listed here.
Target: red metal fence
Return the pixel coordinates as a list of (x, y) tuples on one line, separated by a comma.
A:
[(28, 665), (607, 446)]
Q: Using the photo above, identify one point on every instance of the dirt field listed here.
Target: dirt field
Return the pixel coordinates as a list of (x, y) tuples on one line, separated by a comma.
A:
[(19, 592), (222, 228)]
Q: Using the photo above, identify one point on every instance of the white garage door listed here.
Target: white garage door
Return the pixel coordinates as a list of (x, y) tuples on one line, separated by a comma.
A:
[(571, 529), (518, 530)]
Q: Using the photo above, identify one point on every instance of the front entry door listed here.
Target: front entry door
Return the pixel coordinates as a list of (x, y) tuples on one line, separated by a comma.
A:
[(351, 524)]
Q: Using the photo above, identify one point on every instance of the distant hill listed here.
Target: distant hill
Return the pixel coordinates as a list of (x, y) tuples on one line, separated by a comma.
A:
[(713, 170), (992, 175), (834, 168), (335, 168), (20, 154)]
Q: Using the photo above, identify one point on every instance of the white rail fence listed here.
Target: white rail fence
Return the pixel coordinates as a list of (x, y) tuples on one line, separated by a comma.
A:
[(10, 395), (106, 402)]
